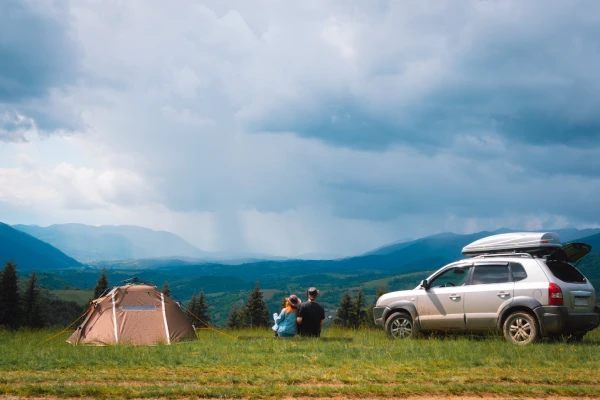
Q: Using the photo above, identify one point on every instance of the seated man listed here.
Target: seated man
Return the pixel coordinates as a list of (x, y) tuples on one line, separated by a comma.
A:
[(311, 315)]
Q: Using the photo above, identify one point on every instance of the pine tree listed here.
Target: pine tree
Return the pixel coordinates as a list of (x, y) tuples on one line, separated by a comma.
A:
[(359, 313), (101, 284), (32, 314), (345, 311), (256, 310), (199, 308), (236, 318), (10, 302), (166, 290), (370, 319), (202, 308), (192, 309)]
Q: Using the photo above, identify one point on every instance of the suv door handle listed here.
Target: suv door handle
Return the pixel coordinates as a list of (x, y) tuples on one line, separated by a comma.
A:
[(503, 294), (454, 296)]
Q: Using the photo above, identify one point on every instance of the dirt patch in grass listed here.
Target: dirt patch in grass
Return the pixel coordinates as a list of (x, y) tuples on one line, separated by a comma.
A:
[(433, 397), (440, 397)]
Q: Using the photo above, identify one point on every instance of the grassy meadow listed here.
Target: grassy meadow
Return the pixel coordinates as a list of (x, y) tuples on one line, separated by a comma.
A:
[(253, 364)]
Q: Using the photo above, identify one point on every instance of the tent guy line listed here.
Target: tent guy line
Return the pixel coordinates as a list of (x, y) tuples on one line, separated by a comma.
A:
[(66, 329)]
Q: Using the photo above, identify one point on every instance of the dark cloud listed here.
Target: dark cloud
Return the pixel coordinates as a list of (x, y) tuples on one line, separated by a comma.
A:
[(489, 194), (317, 124), (38, 54), (338, 120), (479, 178), (525, 72)]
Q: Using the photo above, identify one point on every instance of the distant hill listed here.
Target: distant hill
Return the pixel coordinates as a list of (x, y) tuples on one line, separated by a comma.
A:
[(590, 267), (593, 240), (429, 253), (571, 234), (449, 245), (30, 253), (88, 243), (446, 246)]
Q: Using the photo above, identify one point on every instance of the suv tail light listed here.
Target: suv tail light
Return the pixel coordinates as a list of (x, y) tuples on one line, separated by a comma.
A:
[(555, 297)]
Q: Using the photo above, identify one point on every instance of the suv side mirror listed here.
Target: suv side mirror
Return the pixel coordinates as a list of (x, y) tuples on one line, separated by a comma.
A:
[(425, 284)]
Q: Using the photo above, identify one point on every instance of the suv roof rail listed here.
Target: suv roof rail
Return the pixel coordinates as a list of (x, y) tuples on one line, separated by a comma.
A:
[(504, 255)]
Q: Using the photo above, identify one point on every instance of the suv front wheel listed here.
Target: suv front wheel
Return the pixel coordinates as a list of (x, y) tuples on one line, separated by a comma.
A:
[(400, 325), (520, 328)]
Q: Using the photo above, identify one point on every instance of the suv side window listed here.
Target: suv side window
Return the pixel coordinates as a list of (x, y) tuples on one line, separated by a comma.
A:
[(518, 272), (490, 273), (451, 277)]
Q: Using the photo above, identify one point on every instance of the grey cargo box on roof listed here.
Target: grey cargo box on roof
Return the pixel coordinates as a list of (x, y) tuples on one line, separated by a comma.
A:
[(541, 243)]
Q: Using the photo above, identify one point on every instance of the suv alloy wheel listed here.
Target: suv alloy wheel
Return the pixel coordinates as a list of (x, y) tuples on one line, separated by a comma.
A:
[(520, 328), (400, 326)]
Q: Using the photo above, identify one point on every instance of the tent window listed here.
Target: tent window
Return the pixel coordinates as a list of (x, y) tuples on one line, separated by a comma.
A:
[(138, 308)]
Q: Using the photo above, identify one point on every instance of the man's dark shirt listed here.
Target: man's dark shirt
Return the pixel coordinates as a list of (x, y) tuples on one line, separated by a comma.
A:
[(311, 314)]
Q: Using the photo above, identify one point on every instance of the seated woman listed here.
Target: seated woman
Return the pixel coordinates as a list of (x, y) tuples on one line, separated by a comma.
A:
[(285, 322)]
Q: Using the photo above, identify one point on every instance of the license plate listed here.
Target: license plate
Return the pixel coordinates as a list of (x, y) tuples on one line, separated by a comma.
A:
[(581, 301)]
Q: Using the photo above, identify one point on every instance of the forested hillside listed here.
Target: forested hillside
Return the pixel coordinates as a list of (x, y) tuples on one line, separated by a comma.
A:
[(31, 253), (395, 267)]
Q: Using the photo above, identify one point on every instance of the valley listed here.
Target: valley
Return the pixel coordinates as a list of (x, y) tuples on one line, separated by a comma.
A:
[(394, 267)]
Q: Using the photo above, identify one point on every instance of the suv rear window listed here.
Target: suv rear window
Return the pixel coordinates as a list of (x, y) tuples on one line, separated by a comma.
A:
[(565, 272), (518, 272)]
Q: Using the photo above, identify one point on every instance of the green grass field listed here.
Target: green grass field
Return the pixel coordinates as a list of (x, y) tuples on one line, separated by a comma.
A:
[(367, 365)]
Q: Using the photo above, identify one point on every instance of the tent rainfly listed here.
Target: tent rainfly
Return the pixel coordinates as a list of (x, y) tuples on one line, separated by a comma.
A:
[(133, 315)]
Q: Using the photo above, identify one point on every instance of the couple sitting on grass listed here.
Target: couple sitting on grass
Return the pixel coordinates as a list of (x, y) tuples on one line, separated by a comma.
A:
[(305, 319)]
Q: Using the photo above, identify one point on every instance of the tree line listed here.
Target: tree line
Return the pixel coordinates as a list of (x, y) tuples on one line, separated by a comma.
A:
[(254, 313), (31, 306), (351, 313), (355, 313)]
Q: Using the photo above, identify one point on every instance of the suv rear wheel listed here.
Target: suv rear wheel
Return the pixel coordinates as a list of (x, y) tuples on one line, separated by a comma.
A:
[(400, 326), (520, 328)]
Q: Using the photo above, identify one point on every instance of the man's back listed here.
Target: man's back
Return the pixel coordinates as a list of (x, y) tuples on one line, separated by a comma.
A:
[(312, 313)]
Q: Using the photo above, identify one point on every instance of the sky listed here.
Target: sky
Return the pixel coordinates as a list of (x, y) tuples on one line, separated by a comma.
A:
[(301, 127)]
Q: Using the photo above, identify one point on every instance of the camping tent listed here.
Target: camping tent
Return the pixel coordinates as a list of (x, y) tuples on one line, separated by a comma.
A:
[(134, 315)]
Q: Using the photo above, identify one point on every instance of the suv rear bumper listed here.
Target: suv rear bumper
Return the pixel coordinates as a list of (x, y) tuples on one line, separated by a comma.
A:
[(556, 319)]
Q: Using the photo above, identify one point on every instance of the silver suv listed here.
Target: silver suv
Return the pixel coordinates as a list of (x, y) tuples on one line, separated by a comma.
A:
[(522, 284)]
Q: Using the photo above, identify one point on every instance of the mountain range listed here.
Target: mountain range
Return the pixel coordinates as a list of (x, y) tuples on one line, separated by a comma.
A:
[(395, 266), (31, 253), (92, 243), (136, 248)]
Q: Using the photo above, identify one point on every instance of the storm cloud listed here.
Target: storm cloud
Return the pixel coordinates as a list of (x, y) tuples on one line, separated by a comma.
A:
[(296, 127), (39, 58)]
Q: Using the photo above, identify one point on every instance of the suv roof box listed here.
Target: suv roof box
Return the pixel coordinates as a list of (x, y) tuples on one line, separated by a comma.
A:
[(535, 243)]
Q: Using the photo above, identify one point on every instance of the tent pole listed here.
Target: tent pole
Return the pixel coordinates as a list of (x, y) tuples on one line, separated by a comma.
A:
[(162, 298), (114, 307)]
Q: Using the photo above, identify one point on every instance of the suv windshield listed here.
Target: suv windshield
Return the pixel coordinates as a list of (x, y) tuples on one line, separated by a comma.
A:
[(565, 272)]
